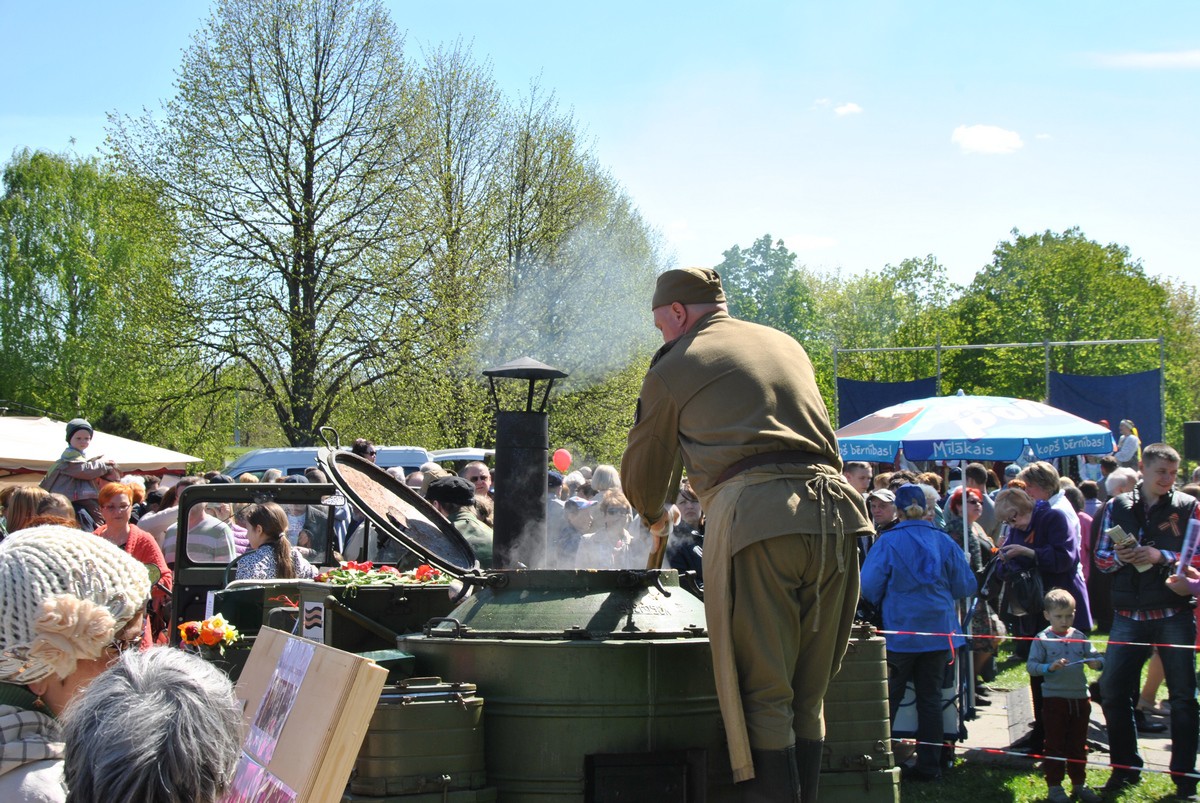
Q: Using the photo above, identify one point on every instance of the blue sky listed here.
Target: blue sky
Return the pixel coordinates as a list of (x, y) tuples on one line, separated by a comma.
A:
[(859, 133)]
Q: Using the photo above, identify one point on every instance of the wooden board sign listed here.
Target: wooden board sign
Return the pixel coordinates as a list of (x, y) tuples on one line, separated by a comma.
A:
[(306, 710)]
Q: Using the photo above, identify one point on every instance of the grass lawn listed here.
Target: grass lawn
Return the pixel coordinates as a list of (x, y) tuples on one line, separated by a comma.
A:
[(986, 784)]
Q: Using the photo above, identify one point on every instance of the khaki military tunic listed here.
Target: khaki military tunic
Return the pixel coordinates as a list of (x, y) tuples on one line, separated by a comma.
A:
[(723, 392)]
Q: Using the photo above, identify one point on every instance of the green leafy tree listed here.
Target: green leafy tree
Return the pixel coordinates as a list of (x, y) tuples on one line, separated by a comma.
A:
[(289, 154), (460, 177), (763, 284), (1054, 287), (901, 305), (1181, 336), (576, 274), (86, 264)]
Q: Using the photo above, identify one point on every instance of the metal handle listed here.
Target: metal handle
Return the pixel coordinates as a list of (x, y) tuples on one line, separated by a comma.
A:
[(337, 442), (437, 620), (656, 576)]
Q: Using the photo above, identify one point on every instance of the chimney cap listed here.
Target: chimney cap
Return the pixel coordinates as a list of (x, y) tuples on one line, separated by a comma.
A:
[(525, 368)]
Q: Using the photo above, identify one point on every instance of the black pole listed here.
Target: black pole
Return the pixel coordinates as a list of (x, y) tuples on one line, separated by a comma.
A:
[(522, 451)]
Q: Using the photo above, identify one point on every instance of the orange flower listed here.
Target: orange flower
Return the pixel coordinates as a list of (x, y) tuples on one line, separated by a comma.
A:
[(210, 636), (214, 632), (190, 632)]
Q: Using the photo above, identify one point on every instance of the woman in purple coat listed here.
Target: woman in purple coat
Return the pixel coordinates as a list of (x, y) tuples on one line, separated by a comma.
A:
[(1039, 535)]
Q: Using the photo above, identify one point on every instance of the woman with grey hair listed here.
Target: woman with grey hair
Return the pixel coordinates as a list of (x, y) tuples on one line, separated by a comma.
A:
[(69, 603), (606, 478), (160, 726)]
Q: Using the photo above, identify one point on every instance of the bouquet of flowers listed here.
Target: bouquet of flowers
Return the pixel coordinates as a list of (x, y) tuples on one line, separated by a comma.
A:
[(208, 635), (354, 573)]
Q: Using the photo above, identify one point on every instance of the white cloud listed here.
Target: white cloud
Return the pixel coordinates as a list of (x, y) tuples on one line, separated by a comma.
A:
[(1177, 60), (986, 139), (847, 108), (809, 242)]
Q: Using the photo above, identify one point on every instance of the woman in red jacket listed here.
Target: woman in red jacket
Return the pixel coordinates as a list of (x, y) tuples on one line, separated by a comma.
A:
[(116, 500)]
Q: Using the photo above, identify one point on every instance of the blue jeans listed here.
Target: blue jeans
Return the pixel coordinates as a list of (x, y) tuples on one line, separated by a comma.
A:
[(1121, 682)]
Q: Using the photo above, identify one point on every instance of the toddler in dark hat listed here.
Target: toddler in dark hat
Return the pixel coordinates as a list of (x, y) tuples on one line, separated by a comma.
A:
[(77, 478)]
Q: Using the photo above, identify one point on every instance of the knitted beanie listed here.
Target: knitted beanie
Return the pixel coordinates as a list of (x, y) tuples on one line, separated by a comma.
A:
[(64, 595), (76, 424)]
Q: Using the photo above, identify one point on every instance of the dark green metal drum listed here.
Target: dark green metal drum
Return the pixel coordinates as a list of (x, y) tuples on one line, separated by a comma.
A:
[(583, 670), (858, 765), (577, 604), (599, 684), (425, 736), (857, 728)]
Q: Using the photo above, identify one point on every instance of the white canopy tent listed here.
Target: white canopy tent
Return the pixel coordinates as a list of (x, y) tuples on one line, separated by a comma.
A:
[(29, 447)]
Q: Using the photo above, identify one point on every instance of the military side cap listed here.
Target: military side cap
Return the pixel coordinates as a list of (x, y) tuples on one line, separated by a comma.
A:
[(688, 286)]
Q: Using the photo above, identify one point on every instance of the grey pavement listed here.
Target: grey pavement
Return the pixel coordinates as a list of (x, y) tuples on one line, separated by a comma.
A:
[(1008, 718)]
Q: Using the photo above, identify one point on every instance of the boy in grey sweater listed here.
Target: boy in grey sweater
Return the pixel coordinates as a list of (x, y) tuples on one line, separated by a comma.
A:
[(1058, 654)]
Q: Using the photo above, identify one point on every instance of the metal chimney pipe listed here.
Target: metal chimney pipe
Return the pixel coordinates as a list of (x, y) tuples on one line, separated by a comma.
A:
[(522, 447), (522, 457)]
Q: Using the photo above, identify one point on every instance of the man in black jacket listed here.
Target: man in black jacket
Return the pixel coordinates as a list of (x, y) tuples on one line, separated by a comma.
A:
[(1146, 611)]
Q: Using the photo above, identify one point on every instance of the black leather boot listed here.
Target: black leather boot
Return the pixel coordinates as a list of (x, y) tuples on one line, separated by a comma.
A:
[(776, 779), (809, 753)]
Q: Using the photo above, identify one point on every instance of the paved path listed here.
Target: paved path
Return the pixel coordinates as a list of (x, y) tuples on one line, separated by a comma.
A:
[(1008, 718)]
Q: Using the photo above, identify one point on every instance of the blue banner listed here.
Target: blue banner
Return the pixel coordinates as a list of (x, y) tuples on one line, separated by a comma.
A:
[(857, 399), (1110, 398)]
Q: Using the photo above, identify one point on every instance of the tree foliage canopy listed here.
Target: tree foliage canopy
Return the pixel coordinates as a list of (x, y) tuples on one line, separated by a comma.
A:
[(86, 264), (364, 229), (290, 153), (321, 230), (1057, 287)]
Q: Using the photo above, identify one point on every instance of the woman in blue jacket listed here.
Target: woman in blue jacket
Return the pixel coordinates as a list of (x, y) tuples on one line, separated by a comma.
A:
[(914, 575)]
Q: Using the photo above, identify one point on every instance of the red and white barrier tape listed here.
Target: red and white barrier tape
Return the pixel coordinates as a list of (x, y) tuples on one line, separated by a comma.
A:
[(996, 751), (1191, 647)]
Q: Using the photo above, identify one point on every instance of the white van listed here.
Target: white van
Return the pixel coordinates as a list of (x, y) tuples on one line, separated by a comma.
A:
[(293, 460)]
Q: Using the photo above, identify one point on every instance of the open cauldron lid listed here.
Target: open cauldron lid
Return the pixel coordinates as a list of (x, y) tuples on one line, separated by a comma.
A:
[(399, 511)]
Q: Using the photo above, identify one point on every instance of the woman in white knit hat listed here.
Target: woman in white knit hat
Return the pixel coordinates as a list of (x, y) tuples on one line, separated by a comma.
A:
[(69, 604)]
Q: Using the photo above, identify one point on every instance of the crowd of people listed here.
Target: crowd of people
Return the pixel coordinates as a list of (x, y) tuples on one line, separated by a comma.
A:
[(590, 523), (1043, 550), (954, 556)]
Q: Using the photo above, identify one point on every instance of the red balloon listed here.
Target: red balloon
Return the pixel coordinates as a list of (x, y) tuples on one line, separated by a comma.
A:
[(562, 460)]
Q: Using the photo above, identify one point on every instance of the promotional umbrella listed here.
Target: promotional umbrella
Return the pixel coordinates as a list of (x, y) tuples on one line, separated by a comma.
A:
[(971, 428)]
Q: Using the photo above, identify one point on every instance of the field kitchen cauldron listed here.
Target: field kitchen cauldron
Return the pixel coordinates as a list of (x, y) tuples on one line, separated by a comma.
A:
[(597, 684)]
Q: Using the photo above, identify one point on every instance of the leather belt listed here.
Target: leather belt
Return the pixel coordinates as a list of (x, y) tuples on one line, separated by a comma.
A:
[(773, 458)]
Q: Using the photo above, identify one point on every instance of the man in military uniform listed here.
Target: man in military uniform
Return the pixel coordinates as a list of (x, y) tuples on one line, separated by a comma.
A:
[(737, 405)]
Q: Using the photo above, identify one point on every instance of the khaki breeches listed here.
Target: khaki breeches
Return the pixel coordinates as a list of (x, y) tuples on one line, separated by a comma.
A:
[(792, 615)]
